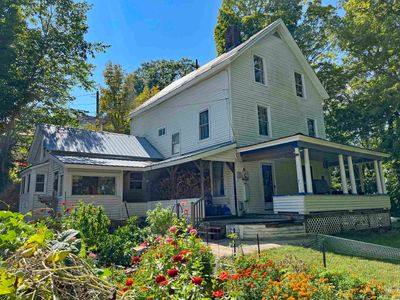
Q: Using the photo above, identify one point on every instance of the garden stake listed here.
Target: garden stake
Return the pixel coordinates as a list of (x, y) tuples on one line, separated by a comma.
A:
[(234, 243), (323, 253), (258, 245)]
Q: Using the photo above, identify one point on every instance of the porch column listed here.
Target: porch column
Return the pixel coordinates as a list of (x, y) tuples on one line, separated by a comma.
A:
[(382, 177), (343, 178), (300, 180), (378, 177), (308, 171), (361, 176), (351, 174)]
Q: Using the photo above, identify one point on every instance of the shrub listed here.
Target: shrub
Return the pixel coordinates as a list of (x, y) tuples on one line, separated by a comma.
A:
[(175, 266), (117, 248), (160, 219), (90, 221)]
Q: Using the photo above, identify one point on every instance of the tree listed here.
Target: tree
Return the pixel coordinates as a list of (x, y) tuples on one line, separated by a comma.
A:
[(145, 95), (117, 98), (44, 55), (160, 73), (309, 22)]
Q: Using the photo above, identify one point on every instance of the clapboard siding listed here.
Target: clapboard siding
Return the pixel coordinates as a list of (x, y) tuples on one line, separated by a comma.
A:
[(112, 204), (181, 114), (305, 204), (288, 112)]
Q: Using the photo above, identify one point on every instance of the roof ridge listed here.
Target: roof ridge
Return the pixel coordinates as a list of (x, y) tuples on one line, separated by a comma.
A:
[(90, 130)]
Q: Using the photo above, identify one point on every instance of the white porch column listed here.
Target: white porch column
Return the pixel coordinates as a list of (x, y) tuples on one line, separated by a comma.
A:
[(361, 176), (382, 177), (378, 177), (351, 174), (299, 170), (308, 171), (343, 178)]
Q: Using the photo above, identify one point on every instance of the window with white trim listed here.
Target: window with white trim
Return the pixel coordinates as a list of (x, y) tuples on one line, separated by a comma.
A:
[(93, 185), (135, 181), (175, 143), (298, 80), (263, 120), (259, 75), (204, 125), (40, 181), (161, 131), (311, 128)]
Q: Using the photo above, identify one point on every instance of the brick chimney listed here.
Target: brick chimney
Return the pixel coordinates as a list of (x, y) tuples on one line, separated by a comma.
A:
[(232, 37)]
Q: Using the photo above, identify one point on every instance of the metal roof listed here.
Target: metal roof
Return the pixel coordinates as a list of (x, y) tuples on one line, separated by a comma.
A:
[(65, 139), (99, 161), (215, 65)]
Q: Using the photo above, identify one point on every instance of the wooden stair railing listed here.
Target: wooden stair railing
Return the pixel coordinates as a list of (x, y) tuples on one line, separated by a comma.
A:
[(197, 212)]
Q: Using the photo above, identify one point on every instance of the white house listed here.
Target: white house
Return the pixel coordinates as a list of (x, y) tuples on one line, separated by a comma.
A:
[(242, 135)]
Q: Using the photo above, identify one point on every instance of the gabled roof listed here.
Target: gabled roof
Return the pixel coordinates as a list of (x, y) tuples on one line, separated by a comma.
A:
[(94, 143), (223, 60)]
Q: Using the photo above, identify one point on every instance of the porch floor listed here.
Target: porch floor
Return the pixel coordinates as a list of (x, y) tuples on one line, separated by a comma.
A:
[(267, 219)]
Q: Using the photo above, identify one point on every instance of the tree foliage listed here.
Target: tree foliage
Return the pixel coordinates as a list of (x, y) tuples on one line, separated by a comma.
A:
[(44, 54), (117, 98)]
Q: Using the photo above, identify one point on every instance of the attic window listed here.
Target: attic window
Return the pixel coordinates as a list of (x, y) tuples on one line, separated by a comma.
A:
[(259, 75), (276, 34), (161, 131)]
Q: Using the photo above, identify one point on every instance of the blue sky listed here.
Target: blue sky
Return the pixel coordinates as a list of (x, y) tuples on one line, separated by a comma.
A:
[(140, 30)]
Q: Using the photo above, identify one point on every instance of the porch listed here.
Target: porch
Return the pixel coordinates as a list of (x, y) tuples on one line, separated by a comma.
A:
[(308, 175)]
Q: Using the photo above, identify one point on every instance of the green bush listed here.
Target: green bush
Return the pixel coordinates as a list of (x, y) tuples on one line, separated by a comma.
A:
[(117, 248), (160, 219), (90, 221)]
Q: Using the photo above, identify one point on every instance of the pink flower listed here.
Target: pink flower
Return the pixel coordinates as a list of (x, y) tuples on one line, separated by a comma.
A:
[(193, 232), (92, 255), (158, 238), (173, 229), (144, 244)]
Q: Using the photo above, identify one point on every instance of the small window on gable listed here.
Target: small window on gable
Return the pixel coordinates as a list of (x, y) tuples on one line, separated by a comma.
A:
[(312, 131), (161, 131), (298, 79), (259, 75), (40, 179), (263, 121), (204, 125), (175, 143), (135, 181)]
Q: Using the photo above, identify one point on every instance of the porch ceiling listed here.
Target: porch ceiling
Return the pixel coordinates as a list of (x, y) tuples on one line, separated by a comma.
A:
[(320, 150)]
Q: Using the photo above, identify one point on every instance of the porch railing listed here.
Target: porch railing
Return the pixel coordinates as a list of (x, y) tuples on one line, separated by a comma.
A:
[(197, 212)]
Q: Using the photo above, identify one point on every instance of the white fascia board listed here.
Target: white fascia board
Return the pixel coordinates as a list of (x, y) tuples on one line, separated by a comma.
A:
[(34, 167)]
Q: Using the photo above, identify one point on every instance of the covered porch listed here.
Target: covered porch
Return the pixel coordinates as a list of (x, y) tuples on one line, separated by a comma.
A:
[(313, 176)]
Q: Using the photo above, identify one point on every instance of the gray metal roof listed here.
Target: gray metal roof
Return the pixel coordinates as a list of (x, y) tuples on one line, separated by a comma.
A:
[(82, 141), (99, 161)]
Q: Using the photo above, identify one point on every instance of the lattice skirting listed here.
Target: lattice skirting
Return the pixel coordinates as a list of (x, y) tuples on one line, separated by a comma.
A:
[(335, 223)]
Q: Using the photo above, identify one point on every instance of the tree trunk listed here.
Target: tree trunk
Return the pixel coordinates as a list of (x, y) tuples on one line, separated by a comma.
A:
[(6, 144)]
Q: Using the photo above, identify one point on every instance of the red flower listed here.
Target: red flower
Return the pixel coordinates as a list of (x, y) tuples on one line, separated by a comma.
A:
[(197, 280), (218, 293), (173, 273), (177, 257), (129, 282), (223, 276), (165, 282), (184, 252), (160, 278), (67, 210), (135, 259), (124, 289)]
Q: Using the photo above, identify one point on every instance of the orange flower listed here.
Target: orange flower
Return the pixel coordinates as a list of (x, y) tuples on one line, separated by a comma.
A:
[(223, 276)]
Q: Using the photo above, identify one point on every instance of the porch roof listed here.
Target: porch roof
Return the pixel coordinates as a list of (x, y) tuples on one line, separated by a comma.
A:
[(100, 161), (283, 147)]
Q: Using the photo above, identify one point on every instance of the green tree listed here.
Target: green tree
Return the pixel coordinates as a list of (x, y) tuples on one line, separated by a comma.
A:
[(145, 95), (117, 98), (160, 73), (43, 55)]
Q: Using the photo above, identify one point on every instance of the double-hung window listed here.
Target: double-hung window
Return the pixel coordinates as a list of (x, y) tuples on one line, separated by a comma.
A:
[(204, 125), (298, 80), (135, 181), (161, 131), (175, 143), (259, 75), (263, 121), (40, 180), (312, 130)]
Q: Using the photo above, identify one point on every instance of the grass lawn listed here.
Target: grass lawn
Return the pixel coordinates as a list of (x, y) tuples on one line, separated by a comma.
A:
[(390, 238), (385, 272)]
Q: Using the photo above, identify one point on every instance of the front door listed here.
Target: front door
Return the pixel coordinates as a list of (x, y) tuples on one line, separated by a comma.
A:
[(268, 185)]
